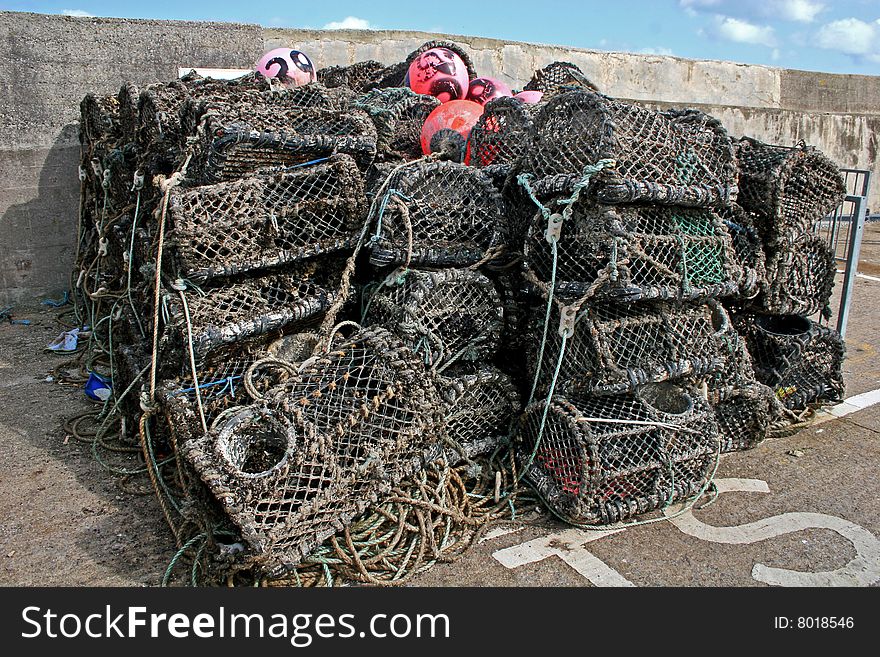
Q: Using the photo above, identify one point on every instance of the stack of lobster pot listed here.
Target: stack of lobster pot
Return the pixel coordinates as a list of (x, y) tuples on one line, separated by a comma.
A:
[(633, 359), (437, 228), (786, 193)]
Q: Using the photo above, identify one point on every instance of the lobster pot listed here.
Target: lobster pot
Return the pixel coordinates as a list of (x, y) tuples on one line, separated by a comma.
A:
[(800, 277), (127, 104), (636, 252), (245, 310), (234, 140), (159, 131), (674, 157), (617, 347), (444, 316), (557, 75), (360, 76), (440, 214), (800, 360), (748, 250), (480, 405), (398, 115), (295, 469), (270, 219), (787, 189), (500, 136), (744, 417), (603, 459)]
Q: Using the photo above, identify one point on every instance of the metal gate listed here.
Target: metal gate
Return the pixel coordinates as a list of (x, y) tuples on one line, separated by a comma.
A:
[(842, 231)]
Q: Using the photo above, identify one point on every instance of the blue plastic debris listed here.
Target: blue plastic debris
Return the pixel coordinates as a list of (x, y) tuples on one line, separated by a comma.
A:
[(98, 388)]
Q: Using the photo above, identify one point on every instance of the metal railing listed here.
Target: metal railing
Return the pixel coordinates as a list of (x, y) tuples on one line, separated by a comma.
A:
[(842, 231)]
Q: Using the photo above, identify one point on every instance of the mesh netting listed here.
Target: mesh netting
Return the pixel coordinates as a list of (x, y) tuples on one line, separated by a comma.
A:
[(603, 459), (270, 219), (360, 76), (344, 430), (480, 405), (748, 250), (800, 276), (99, 119), (744, 416), (616, 347), (557, 75), (636, 252), (236, 139), (674, 157), (247, 309), (440, 214), (444, 316), (500, 136), (399, 115), (127, 103), (801, 360), (787, 189)]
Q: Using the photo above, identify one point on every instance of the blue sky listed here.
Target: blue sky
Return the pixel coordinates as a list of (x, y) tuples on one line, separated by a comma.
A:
[(840, 36)]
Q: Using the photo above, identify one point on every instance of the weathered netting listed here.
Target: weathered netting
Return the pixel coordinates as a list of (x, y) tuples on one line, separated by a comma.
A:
[(246, 309), (127, 102), (787, 189), (801, 360), (605, 458), (269, 219), (744, 416), (99, 119), (617, 347), (399, 115), (235, 140), (501, 134), (748, 249), (444, 316), (800, 276), (360, 76), (674, 157), (556, 76), (637, 252), (440, 214), (324, 446), (480, 405)]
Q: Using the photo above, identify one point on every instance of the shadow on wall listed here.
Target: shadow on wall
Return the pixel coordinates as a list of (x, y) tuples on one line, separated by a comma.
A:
[(38, 233)]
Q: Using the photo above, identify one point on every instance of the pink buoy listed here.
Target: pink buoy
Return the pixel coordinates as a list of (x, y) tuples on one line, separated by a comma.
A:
[(292, 67), (530, 96), (439, 72), (447, 128), (482, 90)]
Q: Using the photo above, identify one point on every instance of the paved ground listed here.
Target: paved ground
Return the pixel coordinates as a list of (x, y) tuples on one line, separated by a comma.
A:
[(795, 507)]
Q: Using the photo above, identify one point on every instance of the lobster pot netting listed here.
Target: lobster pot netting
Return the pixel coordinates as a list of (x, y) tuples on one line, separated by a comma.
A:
[(617, 347), (637, 252), (500, 136), (602, 459), (245, 310), (801, 360), (674, 157), (744, 416), (444, 316), (360, 76), (398, 115), (127, 103), (235, 140), (748, 250), (787, 189), (800, 277), (274, 218), (440, 214), (555, 77), (322, 448), (480, 405)]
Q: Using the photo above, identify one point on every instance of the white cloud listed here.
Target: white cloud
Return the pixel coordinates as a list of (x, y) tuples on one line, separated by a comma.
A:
[(734, 29), (660, 50), (349, 23), (801, 11), (775, 55), (851, 36), (76, 13)]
